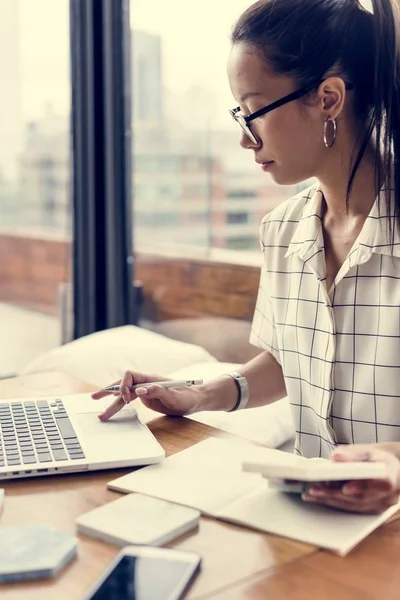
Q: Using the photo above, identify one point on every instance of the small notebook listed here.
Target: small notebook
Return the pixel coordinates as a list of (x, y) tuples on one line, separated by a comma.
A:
[(139, 520), (208, 476), (320, 469)]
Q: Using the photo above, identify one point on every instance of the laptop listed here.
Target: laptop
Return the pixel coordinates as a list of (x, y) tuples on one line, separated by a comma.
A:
[(50, 436)]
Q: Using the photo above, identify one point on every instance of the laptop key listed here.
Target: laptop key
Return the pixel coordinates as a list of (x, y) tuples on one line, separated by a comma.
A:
[(27, 452), (13, 461), (29, 459), (60, 455), (66, 428), (76, 456), (45, 457), (42, 446)]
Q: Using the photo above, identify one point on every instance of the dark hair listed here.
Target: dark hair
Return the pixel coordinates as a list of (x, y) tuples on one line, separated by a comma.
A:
[(308, 39)]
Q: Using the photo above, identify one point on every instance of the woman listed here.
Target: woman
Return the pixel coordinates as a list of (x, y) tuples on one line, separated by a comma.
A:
[(318, 88)]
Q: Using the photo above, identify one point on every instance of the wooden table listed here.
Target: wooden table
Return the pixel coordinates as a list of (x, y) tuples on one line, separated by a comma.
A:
[(237, 563)]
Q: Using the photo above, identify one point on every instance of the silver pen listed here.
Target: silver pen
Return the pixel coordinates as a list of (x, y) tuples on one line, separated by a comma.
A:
[(173, 383)]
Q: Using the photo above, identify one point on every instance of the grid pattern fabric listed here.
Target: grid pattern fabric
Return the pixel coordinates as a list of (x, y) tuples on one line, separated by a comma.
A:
[(339, 349)]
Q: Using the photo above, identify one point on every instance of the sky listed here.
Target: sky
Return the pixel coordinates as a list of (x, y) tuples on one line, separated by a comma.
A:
[(195, 42)]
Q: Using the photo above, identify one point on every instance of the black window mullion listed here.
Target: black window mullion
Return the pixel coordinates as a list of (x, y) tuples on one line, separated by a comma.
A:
[(102, 232)]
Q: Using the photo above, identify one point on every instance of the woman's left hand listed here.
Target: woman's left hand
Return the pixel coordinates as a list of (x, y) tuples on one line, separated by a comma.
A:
[(371, 496)]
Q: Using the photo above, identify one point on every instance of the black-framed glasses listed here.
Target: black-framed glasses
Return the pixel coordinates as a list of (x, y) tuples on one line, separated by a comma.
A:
[(244, 121)]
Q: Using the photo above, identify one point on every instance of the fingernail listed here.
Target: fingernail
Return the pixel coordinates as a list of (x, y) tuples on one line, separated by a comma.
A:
[(316, 492), (355, 456), (141, 391), (349, 490), (308, 498)]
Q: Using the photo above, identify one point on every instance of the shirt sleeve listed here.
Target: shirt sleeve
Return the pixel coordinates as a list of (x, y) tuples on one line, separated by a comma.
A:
[(263, 330)]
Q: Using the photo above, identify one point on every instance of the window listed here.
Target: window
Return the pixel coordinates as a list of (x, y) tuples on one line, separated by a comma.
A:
[(242, 243), (180, 118), (34, 176), (239, 194), (237, 217)]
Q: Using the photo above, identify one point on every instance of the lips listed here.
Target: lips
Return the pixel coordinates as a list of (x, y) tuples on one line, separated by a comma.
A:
[(266, 166)]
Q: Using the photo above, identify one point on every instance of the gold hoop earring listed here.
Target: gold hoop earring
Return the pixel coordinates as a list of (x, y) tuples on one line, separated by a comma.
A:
[(334, 132)]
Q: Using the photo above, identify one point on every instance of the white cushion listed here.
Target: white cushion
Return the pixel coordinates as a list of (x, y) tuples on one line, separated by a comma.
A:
[(103, 357), (271, 425)]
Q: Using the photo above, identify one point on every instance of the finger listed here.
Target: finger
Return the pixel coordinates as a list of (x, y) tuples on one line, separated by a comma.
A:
[(359, 453), (370, 502), (360, 491), (367, 486), (370, 507), (102, 394), (338, 504), (127, 382), (363, 452), (130, 379), (349, 504), (112, 409)]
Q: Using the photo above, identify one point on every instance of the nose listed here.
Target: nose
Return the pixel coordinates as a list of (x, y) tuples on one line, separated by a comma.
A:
[(247, 143)]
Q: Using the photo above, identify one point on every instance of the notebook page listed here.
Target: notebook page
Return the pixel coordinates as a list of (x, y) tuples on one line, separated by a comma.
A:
[(208, 476), (286, 515)]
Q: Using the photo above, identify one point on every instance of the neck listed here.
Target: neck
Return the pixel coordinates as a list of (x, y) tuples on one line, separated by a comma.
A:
[(334, 183)]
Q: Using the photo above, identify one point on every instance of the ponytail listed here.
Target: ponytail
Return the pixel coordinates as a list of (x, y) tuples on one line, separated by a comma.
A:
[(386, 110)]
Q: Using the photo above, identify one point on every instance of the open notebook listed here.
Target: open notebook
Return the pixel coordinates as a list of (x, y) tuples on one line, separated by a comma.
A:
[(208, 476)]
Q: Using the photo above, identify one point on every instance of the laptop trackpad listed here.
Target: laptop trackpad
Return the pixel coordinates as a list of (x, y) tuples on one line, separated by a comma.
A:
[(122, 438), (125, 422)]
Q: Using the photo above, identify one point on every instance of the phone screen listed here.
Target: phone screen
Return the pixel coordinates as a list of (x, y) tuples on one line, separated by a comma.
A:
[(146, 578)]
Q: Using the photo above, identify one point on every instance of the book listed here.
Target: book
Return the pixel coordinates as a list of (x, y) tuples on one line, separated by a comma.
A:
[(137, 519), (209, 477)]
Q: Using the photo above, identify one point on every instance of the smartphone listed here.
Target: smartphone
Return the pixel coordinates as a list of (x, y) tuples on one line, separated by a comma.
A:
[(299, 487), (146, 573)]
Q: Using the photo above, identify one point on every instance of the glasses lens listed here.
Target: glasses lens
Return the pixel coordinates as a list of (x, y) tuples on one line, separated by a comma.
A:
[(244, 126)]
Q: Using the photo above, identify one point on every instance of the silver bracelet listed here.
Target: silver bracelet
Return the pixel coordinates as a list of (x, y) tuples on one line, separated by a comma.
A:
[(243, 391)]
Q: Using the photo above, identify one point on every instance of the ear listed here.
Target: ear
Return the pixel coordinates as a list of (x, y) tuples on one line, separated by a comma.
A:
[(332, 96)]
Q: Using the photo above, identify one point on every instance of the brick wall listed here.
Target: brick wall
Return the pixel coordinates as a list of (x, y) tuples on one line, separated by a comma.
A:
[(31, 270)]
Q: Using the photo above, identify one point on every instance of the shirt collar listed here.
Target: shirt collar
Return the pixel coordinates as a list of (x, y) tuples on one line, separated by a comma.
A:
[(375, 237), (308, 236)]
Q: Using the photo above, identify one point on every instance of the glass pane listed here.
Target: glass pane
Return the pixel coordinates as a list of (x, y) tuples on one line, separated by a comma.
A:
[(35, 177), (193, 184)]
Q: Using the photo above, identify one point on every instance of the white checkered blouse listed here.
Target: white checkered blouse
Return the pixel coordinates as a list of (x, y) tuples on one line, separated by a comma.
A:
[(339, 352)]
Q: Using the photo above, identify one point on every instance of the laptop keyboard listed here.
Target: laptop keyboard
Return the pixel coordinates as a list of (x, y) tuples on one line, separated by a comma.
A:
[(36, 432)]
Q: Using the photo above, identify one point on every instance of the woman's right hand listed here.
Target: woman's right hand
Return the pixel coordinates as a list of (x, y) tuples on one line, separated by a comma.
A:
[(167, 401)]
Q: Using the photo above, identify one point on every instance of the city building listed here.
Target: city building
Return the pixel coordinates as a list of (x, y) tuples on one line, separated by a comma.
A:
[(10, 113), (193, 185), (147, 79)]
